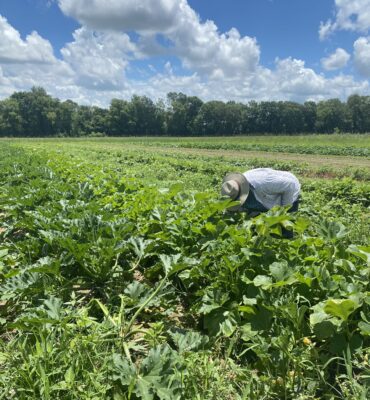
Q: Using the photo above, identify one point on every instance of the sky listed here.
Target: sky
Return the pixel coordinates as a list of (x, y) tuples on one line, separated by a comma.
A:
[(92, 51)]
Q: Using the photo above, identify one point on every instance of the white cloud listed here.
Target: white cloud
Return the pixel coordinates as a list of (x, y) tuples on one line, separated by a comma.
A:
[(199, 45), (34, 49), (326, 28), (362, 55), (337, 60), (351, 15), (140, 16), (289, 80), (204, 50), (99, 59), (222, 66), (293, 80)]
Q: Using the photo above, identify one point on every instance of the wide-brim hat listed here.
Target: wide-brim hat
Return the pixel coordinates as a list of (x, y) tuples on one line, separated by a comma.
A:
[(236, 187)]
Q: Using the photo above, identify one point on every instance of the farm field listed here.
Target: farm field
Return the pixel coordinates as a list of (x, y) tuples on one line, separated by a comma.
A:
[(335, 144), (122, 277)]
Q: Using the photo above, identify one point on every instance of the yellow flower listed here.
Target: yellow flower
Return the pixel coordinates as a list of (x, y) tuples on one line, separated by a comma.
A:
[(307, 341)]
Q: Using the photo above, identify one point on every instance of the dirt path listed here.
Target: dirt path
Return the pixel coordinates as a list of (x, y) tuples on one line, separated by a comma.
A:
[(311, 160)]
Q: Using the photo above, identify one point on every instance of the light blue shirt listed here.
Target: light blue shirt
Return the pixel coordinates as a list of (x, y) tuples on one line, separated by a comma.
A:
[(273, 187)]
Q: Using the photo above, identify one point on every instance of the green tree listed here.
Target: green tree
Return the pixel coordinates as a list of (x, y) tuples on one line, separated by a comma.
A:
[(249, 118), (332, 115), (310, 115), (269, 117), (100, 120), (145, 118), (291, 117), (38, 112), (65, 116), (118, 118), (218, 118), (82, 121), (359, 110), (10, 118), (182, 113)]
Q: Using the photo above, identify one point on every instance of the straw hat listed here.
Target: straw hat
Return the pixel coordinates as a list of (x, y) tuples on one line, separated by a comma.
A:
[(235, 186)]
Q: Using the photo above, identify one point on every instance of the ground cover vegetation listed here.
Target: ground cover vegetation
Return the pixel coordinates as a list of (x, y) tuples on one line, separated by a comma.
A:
[(35, 113), (122, 277), (347, 145)]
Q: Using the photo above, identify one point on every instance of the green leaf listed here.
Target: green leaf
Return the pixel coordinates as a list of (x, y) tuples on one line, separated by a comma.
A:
[(139, 245), (213, 321), (262, 320), (69, 376), (318, 314), (364, 328), (262, 280), (155, 371), (361, 252), (46, 265), (123, 371), (341, 308), (188, 341), (279, 270), (247, 332), (169, 262), (135, 290), (3, 253), (246, 309), (53, 307), (228, 326), (324, 329), (332, 230), (249, 301), (152, 378), (213, 300)]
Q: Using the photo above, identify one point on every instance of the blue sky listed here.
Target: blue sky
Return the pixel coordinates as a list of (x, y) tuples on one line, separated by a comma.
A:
[(94, 50)]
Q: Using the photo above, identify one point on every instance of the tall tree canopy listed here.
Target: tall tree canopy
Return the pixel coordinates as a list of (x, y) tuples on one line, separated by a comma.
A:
[(37, 114)]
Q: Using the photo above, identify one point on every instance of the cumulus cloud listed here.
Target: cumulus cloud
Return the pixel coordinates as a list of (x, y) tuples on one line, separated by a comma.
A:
[(337, 60), (140, 16), (198, 44), (326, 28), (297, 82), (362, 55), (34, 49), (224, 66), (216, 55), (349, 15), (289, 80), (99, 59)]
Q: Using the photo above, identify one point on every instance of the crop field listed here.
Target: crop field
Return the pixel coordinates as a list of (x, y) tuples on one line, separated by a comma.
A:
[(348, 145), (122, 276)]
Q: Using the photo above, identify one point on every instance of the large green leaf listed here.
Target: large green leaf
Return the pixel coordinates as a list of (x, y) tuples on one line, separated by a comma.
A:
[(263, 281), (340, 308)]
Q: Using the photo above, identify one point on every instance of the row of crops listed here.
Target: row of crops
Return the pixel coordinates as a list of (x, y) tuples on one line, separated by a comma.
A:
[(298, 149), (340, 145), (121, 277)]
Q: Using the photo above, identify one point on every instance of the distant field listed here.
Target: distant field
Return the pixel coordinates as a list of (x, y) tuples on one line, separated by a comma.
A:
[(352, 145), (336, 140), (313, 155)]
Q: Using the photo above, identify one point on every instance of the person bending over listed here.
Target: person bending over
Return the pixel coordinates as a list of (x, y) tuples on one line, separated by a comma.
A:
[(260, 189)]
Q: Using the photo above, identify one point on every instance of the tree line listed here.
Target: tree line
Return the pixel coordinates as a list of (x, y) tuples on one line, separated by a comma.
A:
[(35, 113)]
